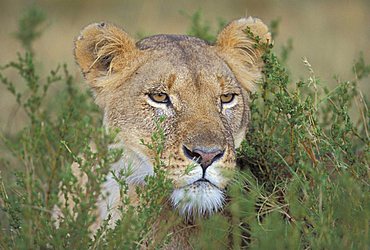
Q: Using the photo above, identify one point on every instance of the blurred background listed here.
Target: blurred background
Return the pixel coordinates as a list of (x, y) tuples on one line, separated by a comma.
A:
[(330, 34)]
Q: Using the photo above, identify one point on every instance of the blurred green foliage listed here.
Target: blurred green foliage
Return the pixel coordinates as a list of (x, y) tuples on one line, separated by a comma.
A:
[(201, 28), (30, 27)]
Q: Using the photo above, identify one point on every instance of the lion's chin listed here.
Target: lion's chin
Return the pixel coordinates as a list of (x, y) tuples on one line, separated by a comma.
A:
[(198, 199)]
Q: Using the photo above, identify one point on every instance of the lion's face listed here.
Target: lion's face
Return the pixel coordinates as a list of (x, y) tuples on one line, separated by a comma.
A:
[(205, 110), (201, 90)]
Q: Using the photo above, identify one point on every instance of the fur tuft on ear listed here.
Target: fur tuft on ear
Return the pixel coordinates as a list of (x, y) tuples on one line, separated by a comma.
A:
[(240, 51), (101, 49)]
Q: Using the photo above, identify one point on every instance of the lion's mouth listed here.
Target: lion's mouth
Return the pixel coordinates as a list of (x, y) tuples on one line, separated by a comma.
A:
[(203, 181)]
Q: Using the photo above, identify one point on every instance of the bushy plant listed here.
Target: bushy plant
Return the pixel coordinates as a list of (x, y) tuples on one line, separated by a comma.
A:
[(303, 184)]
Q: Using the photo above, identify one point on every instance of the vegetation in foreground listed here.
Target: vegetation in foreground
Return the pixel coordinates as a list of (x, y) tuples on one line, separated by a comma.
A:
[(304, 182)]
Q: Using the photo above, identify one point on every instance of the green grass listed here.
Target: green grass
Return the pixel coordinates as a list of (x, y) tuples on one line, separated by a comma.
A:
[(304, 182)]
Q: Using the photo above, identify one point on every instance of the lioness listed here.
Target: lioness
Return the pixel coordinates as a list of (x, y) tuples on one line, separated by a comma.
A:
[(203, 91)]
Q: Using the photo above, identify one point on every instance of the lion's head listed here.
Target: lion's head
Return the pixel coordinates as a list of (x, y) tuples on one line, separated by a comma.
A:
[(202, 90)]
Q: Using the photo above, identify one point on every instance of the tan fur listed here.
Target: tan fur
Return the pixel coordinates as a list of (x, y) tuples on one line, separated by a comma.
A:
[(194, 75), (238, 50)]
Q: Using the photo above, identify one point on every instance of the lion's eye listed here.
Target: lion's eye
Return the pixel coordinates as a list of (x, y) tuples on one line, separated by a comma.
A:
[(159, 97), (227, 98)]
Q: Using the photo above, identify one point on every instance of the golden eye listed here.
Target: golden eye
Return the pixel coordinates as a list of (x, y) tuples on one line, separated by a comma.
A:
[(159, 97), (227, 98)]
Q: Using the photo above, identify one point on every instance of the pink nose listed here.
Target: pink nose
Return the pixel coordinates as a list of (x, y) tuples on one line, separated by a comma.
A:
[(204, 156)]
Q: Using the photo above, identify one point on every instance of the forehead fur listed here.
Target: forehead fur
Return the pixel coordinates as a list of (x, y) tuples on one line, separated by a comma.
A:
[(183, 63), (163, 41), (180, 50)]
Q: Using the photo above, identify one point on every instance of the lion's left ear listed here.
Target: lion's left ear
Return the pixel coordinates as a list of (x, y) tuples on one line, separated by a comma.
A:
[(239, 50), (102, 49)]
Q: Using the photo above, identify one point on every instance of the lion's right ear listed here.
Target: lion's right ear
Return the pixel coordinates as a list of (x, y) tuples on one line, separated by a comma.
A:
[(239, 50), (102, 49)]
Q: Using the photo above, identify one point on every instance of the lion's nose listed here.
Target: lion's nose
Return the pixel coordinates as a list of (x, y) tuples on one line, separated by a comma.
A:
[(203, 155)]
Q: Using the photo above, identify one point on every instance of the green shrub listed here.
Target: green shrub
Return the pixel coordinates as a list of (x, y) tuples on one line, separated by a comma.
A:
[(303, 184)]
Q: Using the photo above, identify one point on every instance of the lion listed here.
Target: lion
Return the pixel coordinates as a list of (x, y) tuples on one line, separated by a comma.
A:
[(202, 90)]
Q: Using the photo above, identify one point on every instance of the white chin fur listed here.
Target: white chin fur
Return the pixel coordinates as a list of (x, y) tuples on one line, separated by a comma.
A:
[(197, 199)]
